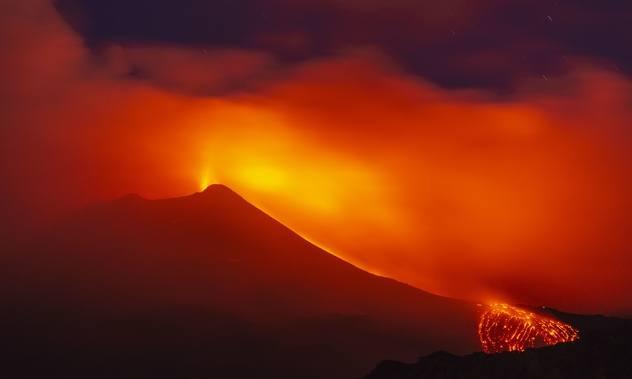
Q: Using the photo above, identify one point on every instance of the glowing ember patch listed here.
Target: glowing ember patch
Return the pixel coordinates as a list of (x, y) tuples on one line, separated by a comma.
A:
[(505, 327), (206, 179)]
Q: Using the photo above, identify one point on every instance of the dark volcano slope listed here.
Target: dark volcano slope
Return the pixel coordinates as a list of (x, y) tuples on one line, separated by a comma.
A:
[(206, 285), (604, 353)]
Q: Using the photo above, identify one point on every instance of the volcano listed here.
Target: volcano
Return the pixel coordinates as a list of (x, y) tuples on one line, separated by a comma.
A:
[(207, 285)]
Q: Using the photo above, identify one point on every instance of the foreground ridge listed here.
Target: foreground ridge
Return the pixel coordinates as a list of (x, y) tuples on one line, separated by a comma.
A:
[(598, 354)]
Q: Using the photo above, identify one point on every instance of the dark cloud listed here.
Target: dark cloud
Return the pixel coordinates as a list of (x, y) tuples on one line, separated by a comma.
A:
[(456, 44), (452, 191), (206, 72)]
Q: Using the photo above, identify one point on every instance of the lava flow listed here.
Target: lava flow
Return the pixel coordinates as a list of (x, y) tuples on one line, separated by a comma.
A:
[(506, 327)]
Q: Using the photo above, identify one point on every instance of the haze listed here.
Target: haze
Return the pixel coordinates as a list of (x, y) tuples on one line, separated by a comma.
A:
[(507, 178)]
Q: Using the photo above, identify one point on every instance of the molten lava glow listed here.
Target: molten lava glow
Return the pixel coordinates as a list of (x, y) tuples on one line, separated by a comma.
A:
[(206, 179), (505, 327)]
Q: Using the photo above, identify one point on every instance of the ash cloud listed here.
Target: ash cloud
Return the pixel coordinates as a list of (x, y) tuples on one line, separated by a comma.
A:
[(517, 190), (455, 44)]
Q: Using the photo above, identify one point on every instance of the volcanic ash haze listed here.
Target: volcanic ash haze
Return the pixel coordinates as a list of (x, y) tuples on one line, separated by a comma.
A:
[(209, 284), (362, 144)]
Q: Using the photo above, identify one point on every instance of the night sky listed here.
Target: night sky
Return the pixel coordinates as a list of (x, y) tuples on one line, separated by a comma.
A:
[(475, 149)]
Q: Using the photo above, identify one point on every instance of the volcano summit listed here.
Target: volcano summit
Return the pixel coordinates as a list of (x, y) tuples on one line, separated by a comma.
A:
[(207, 285)]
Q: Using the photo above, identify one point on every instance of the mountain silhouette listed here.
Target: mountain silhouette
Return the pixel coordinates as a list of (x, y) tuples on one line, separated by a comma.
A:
[(207, 285), (603, 352)]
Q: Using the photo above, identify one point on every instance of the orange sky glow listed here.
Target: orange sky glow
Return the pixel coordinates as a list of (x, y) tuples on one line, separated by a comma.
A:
[(524, 199)]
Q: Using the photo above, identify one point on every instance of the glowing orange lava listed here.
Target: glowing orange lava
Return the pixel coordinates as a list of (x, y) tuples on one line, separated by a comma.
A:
[(506, 327)]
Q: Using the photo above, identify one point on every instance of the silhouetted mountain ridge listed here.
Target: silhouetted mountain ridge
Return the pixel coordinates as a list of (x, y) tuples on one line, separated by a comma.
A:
[(584, 323), (604, 354), (305, 312)]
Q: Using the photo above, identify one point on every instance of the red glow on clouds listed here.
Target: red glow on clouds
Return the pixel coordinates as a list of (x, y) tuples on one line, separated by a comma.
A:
[(522, 200)]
